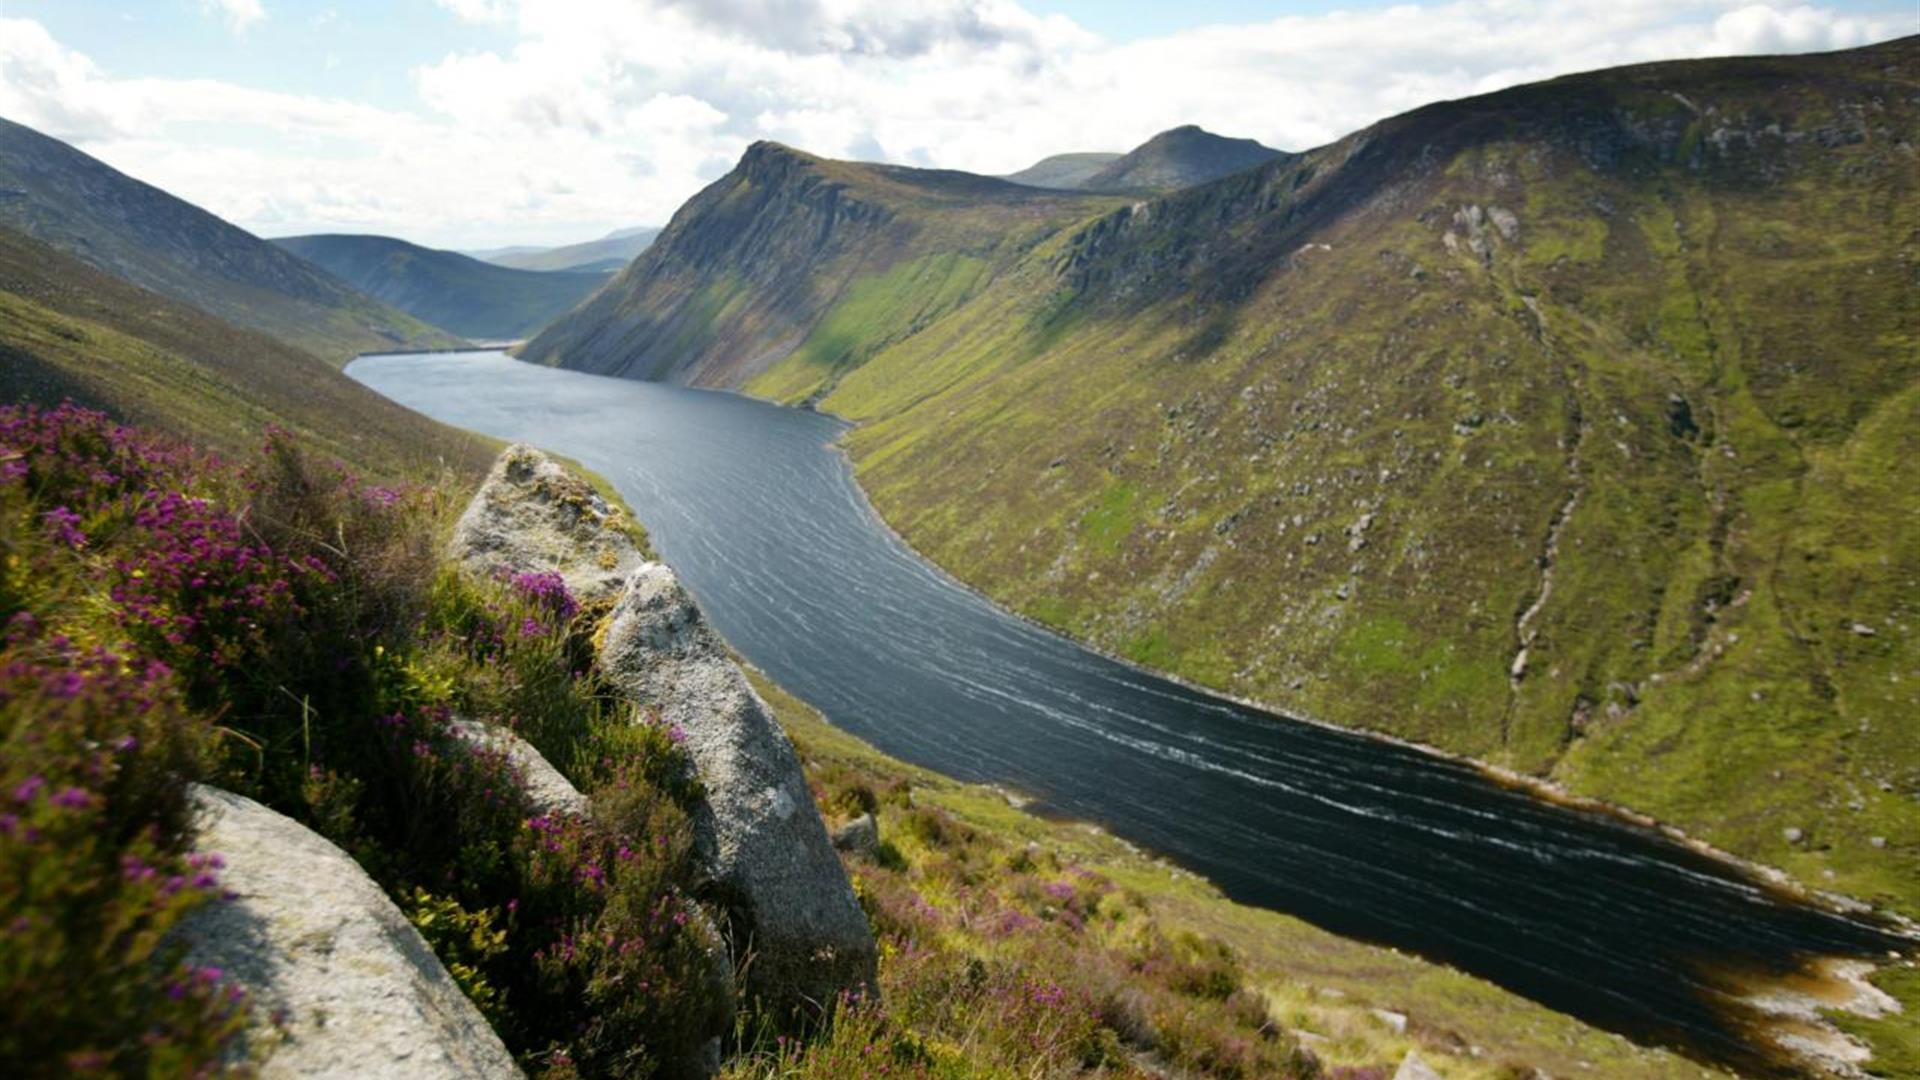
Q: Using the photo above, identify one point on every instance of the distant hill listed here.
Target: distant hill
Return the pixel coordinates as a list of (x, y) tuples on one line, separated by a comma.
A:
[(134, 231), (1180, 158), (452, 291), (610, 253), (1063, 171), (68, 330), (741, 277)]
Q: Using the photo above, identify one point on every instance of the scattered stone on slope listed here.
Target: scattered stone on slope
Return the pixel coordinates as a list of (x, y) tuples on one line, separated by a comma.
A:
[(531, 515), (315, 943), (1412, 1067), (765, 850), (861, 836), (550, 792)]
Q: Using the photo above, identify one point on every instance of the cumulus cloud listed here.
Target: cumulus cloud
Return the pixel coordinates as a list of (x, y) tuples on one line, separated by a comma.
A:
[(599, 113), (239, 14)]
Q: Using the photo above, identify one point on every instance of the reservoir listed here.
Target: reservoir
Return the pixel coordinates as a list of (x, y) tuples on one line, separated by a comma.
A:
[(759, 513)]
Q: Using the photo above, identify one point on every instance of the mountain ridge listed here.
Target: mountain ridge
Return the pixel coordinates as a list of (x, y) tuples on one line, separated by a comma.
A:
[(138, 232), (458, 293), (71, 331)]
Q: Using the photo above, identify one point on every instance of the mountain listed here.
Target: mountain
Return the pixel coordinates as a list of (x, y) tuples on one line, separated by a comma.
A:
[(68, 330), (137, 232), (1177, 159), (1564, 427), (1063, 171), (466, 296), (609, 253), (816, 263)]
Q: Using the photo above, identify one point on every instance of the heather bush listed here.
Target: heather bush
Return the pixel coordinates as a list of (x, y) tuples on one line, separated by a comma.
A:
[(290, 633)]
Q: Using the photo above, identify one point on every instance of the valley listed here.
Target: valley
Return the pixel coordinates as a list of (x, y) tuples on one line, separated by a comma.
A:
[(1438, 600)]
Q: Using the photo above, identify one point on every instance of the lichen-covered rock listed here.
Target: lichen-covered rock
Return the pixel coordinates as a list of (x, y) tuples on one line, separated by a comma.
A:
[(758, 834), (351, 988), (531, 515), (549, 792)]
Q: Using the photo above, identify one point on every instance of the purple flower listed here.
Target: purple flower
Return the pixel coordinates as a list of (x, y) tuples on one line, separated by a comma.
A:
[(28, 788), (73, 798), (64, 526)]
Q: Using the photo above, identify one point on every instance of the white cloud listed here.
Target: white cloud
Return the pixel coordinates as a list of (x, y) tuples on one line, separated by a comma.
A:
[(603, 113), (239, 14)]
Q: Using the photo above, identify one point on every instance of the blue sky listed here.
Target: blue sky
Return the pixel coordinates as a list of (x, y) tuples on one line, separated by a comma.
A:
[(483, 122)]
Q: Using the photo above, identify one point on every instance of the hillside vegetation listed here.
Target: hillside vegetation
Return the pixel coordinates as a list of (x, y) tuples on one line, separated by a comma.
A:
[(1563, 426), (70, 331), (463, 295), (136, 232)]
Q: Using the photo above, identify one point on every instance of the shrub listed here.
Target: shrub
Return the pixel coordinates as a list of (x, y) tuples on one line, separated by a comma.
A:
[(291, 632), (93, 871)]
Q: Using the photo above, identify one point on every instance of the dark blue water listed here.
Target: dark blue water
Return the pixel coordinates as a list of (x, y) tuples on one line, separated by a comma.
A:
[(763, 521)]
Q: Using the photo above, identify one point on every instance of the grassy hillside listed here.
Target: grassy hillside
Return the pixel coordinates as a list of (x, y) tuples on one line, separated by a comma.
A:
[(818, 263), (1179, 158), (609, 253), (70, 331), (1063, 171), (466, 296), (137, 232), (1562, 427)]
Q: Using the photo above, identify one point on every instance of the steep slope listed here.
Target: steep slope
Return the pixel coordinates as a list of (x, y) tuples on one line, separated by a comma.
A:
[(816, 263), (1561, 426), (70, 331), (137, 232), (464, 295), (609, 253), (1062, 171), (1179, 158)]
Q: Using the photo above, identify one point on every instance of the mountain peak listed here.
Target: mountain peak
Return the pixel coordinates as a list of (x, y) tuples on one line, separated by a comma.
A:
[(1177, 158)]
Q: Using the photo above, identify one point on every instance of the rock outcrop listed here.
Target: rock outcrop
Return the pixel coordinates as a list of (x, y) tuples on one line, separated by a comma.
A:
[(343, 986), (765, 849), (547, 790), (531, 515), (793, 922)]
